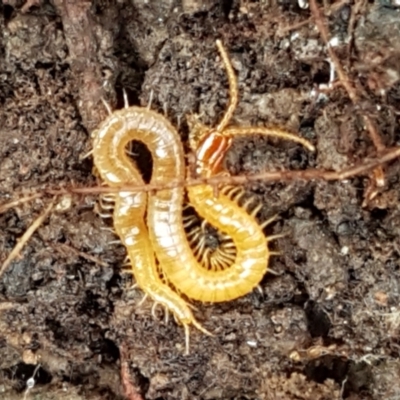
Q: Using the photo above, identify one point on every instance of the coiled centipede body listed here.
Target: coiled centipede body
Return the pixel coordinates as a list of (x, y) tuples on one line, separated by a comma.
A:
[(116, 169), (166, 230), (162, 235)]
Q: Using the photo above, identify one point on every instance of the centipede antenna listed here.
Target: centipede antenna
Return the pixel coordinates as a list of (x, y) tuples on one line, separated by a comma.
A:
[(106, 105), (233, 89), (264, 131), (125, 96)]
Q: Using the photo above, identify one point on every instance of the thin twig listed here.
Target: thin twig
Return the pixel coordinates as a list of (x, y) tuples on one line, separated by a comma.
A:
[(274, 176), (345, 81), (25, 237), (12, 204), (364, 168), (95, 260)]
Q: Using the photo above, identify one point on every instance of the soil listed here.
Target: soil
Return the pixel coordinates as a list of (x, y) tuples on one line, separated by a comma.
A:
[(325, 324)]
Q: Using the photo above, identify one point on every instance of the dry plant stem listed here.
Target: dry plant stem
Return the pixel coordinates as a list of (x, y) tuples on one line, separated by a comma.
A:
[(372, 130), (295, 26), (25, 237), (12, 204), (82, 36), (7, 305), (130, 391), (61, 246), (276, 176)]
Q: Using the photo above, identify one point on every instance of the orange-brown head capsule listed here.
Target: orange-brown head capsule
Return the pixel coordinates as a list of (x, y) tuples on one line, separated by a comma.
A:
[(211, 152)]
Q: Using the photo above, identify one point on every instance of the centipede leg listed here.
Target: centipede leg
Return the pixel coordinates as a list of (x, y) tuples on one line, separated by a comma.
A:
[(150, 99), (106, 105), (274, 237), (275, 253), (108, 229), (166, 316), (106, 207), (257, 210), (126, 101), (103, 215), (269, 221), (201, 328), (187, 335), (153, 310), (112, 242), (143, 300)]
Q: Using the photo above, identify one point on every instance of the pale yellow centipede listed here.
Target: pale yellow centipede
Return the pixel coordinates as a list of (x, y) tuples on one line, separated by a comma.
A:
[(166, 236), (116, 169), (164, 218)]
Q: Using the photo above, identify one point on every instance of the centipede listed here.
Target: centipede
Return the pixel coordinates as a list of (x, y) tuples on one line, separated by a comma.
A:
[(151, 226), (116, 168), (166, 228)]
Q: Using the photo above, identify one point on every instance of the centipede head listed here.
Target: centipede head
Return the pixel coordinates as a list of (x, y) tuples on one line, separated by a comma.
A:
[(210, 153)]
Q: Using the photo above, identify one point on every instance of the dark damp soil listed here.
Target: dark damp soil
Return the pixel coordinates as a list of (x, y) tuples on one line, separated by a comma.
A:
[(325, 324)]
